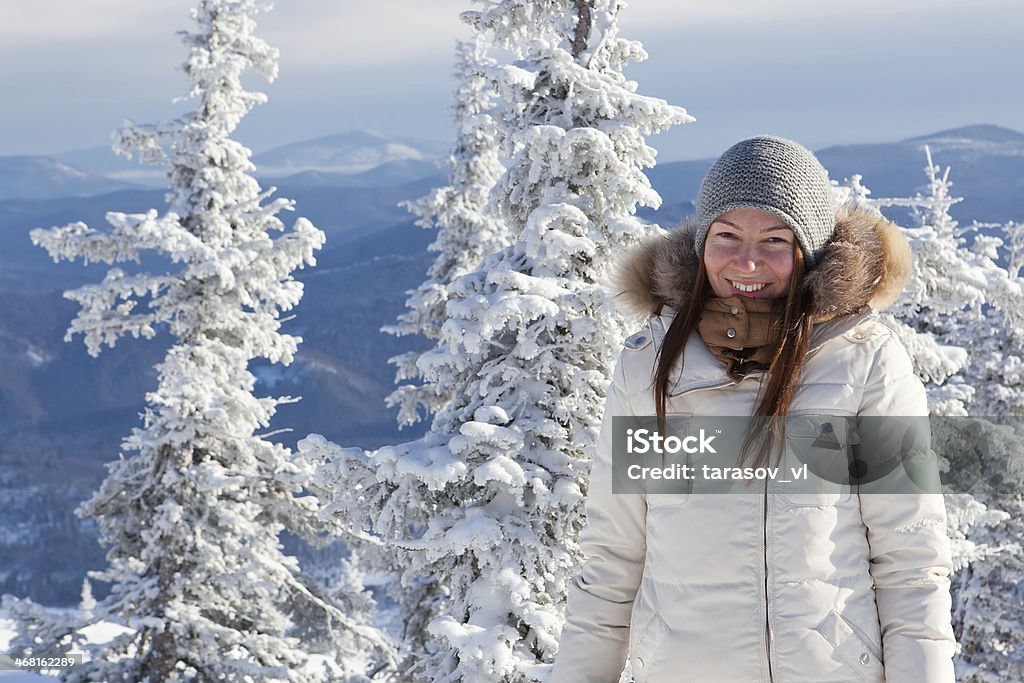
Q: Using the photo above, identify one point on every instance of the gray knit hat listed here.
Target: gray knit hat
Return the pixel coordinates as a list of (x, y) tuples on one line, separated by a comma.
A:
[(775, 175)]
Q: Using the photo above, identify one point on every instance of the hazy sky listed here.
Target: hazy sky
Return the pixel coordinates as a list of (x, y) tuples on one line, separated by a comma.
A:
[(822, 72)]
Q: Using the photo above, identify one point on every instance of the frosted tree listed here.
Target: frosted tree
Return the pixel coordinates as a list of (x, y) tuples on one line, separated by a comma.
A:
[(42, 633), (939, 310), (1014, 241), (988, 527), (997, 354), (937, 361), (192, 516), (466, 230), (855, 192), (989, 615), (961, 314), (965, 299), (490, 501), (87, 603), (939, 247)]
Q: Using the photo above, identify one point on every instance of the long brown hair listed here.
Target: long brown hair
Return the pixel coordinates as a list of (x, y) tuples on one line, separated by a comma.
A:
[(767, 426)]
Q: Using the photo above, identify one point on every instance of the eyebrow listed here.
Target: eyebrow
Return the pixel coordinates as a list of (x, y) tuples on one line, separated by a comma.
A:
[(730, 223)]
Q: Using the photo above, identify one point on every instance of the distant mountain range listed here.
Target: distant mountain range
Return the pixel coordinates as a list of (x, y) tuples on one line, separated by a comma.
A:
[(53, 441), (347, 153), (353, 159), (385, 174), (987, 164), (35, 177), (987, 170)]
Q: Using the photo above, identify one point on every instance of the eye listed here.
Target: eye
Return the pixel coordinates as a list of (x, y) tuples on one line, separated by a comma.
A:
[(725, 234), (778, 240)]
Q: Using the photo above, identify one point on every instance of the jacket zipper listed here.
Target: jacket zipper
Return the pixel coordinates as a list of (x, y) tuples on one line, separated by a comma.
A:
[(702, 387), (767, 622)]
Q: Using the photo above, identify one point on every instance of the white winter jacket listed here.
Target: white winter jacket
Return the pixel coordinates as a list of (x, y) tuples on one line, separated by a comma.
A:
[(774, 585)]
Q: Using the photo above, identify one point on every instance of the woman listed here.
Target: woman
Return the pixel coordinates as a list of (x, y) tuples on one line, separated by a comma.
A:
[(763, 304)]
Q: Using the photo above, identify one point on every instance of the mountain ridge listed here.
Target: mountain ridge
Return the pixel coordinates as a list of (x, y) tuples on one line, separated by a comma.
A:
[(983, 131), (24, 176)]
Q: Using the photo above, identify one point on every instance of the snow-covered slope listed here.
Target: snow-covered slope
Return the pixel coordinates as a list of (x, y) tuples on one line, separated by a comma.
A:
[(39, 177), (349, 159), (101, 632), (981, 138), (387, 174), (352, 152), (102, 161)]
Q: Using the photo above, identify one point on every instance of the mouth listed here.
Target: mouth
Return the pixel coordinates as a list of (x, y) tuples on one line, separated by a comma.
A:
[(748, 288)]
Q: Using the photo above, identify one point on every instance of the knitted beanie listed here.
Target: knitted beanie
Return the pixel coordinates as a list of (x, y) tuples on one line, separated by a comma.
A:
[(775, 175)]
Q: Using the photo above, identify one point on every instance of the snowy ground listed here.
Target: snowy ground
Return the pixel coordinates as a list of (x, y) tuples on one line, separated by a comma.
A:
[(6, 633), (97, 633)]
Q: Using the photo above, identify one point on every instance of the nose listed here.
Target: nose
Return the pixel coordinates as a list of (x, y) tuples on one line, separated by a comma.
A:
[(747, 258)]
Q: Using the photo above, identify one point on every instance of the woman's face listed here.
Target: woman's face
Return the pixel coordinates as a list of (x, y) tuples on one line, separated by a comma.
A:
[(749, 252)]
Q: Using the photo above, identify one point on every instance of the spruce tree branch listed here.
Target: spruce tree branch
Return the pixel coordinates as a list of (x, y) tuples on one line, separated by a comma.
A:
[(579, 41)]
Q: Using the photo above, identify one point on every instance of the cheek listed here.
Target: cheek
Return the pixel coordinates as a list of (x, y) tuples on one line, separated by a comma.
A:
[(713, 261), (782, 265)]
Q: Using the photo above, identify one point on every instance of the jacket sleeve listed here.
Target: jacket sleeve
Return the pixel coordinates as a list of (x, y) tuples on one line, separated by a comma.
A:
[(595, 638), (910, 558)]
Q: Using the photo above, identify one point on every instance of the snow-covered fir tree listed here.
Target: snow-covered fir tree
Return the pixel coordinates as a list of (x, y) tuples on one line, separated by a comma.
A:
[(988, 617), (853, 191), (1013, 234), (938, 246), (466, 229), (39, 631), (490, 502), (987, 530), (192, 511), (989, 592), (939, 310), (960, 296), (961, 316), (996, 369), (87, 603)]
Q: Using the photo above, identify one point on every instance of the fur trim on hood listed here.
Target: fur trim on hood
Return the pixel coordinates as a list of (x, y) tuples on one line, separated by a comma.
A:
[(866, 263)]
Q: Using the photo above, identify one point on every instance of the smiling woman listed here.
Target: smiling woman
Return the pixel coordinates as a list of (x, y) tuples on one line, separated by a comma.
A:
[(762, 306), (749, 252)]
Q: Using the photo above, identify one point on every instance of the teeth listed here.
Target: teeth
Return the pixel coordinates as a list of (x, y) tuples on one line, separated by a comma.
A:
[(748, 288)]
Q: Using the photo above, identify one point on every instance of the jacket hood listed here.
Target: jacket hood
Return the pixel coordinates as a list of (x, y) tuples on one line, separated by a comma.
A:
[(864, 265)]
